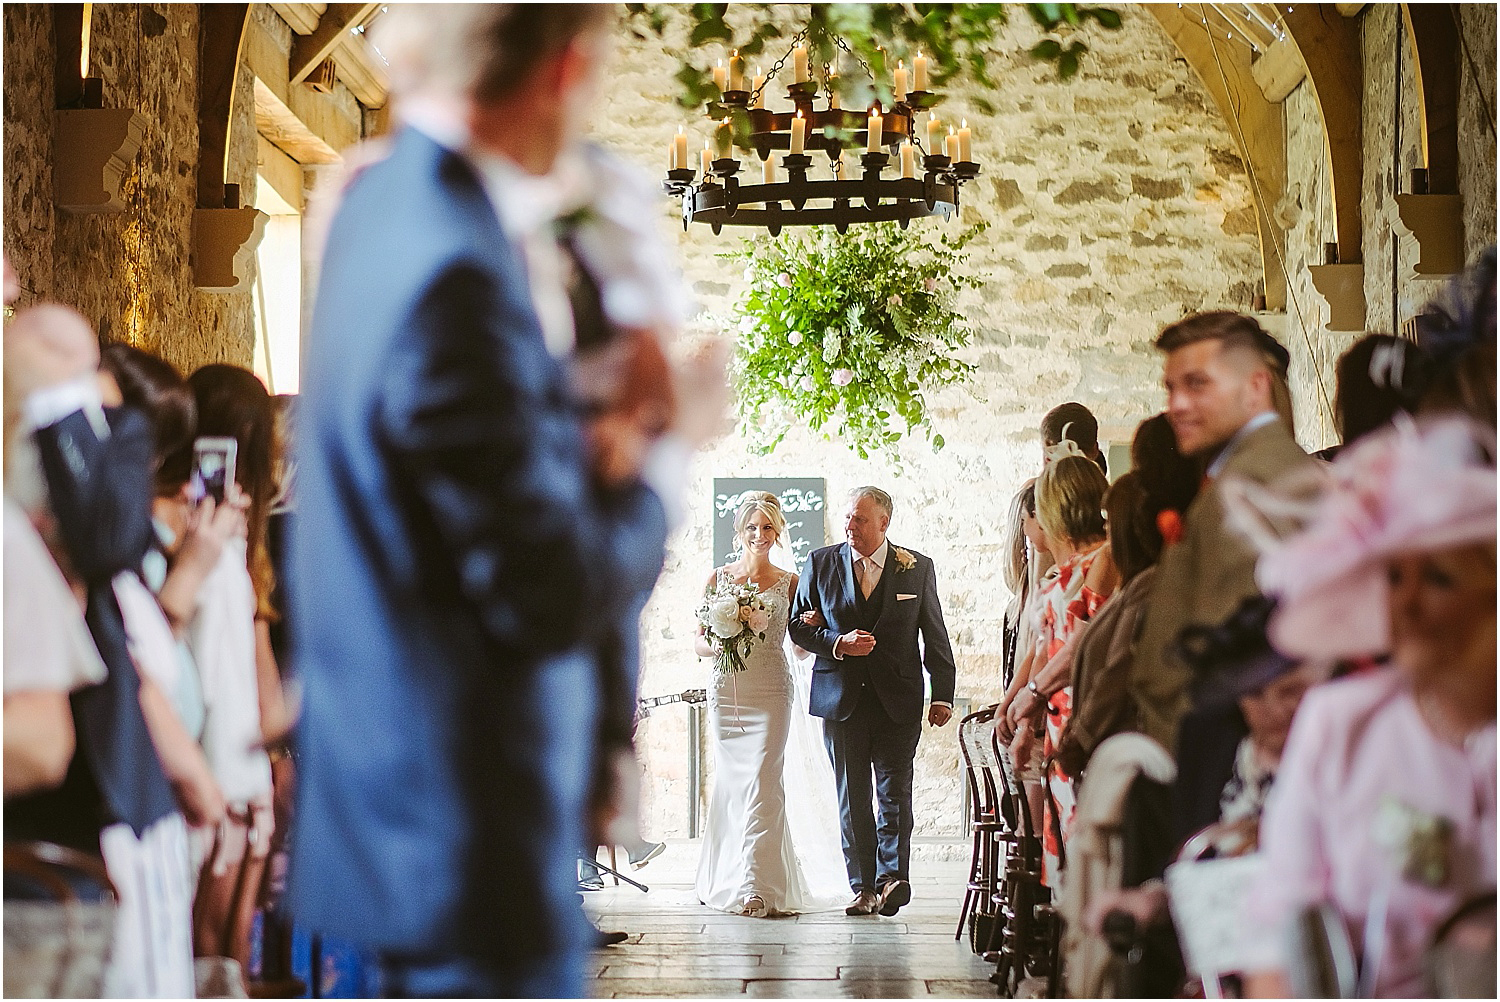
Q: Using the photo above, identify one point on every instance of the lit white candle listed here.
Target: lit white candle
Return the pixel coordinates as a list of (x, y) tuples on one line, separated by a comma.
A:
[(799, 133), (908, 159), (799, 63), (721, 79), (679, 150), (919, 68), (760, 88), (708, 161), (901, 81), (736, 71), (965, 146), (934, 134), (875, 127), (768, 170), (833, 93), (952, 144)]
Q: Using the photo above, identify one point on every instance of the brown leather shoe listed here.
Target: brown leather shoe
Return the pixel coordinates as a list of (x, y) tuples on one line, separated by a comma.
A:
[(864, 903), (893, 895)]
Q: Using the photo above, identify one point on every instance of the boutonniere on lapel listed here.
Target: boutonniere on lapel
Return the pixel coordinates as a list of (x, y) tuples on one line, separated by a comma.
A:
[(1420, 844), (904, 559)]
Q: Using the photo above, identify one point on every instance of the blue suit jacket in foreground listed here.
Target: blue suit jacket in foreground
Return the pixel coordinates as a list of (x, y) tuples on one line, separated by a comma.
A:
[(894, 668), (455, 572)]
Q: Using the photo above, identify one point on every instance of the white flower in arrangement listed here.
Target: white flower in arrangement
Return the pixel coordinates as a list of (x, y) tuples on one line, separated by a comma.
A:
[(833, 343), (749, 274), (808, 384), (724, 617), (905, 559), (784, 280), (1420, 844), (747, 325), (843, 377), (794, 338)]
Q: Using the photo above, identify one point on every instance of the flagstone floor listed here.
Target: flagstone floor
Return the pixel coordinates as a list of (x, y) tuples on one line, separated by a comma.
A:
[(680, 949)]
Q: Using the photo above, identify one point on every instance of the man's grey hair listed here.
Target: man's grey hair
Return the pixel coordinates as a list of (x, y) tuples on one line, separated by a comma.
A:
[(878, 497)]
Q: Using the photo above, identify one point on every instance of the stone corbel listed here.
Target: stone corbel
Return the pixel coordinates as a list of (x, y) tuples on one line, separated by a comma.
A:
[(1342, 287), (92, 148), (224, 242), (1436, 223)]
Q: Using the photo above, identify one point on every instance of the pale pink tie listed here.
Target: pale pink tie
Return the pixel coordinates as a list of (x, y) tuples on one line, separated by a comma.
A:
[(866, 576)]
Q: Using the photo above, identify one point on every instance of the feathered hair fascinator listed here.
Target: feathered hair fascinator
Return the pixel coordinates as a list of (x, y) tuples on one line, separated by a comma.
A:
[(1065, 447)]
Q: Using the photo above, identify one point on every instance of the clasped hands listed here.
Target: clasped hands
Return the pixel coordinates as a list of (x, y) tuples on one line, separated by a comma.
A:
[(1024, 706), (858, 644)]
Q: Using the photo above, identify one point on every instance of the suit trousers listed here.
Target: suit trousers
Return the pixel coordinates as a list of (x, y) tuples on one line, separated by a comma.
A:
[(873, 759)]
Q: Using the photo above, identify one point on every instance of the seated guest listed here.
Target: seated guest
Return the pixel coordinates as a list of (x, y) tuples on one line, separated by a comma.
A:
[(1378, 377), (1220, 374), (1101, 668), (1385, 809), (1075, 423), (1070, 494), (1020, 560), (1456, 331), (1168, 477), (116, 800)]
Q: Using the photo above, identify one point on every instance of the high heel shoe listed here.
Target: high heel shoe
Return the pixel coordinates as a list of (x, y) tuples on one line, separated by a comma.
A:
[(754, 906)]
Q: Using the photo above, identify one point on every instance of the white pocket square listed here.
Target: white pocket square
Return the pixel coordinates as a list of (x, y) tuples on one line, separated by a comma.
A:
[(903, 598)]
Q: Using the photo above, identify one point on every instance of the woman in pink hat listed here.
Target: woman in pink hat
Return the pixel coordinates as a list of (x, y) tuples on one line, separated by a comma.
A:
[(1384, 808)]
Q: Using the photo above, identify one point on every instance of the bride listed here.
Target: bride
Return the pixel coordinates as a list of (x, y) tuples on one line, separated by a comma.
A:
[(749, 864)]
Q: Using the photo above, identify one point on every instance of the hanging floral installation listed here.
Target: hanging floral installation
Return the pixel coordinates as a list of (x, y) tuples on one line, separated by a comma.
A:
[(848, 333)]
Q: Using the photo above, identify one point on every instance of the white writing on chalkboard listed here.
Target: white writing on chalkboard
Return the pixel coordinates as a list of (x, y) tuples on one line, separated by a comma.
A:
[(791, 500)]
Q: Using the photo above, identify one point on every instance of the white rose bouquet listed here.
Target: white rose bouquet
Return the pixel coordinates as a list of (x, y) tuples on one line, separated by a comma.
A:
[(734, 618)]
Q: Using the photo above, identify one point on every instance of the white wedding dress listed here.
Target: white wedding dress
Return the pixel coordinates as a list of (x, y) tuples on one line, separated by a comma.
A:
[(759, 840)]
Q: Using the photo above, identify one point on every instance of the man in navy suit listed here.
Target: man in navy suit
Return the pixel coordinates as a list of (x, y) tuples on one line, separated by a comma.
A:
[(861, 607), (459, 556)]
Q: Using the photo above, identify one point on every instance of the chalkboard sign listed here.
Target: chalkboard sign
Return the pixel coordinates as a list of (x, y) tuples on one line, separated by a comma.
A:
[(802, 502)]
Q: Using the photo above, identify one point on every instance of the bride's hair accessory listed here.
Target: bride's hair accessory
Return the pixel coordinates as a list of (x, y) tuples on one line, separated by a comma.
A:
[(761, 503)]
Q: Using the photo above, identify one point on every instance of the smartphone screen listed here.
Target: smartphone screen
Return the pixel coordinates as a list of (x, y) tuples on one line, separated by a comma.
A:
[(213, 468)]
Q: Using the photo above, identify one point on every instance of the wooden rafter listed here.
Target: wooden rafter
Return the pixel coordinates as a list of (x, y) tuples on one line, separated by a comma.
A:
[(308, 51), (221, 39), (1435, 39), (1254, 122), (1329, 44)]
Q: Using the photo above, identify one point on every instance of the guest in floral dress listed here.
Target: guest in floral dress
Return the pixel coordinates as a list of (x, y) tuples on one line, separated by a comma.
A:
[(1070, 498)]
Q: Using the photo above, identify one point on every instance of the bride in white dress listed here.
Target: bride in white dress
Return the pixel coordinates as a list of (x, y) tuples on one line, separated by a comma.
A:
[(750, 864)]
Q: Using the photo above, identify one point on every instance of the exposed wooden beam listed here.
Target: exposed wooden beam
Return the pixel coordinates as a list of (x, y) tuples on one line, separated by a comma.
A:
[(1330, 48), (280, 171), (221, 39), (285, 130), (1278, 71), (310, 50), (303, 17), (310, 127), (1349, 9), (1254, 122), (1434, 37)]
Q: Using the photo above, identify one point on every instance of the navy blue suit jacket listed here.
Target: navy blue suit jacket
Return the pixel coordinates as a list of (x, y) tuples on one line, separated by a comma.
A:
[(455, 571), (894, 668)]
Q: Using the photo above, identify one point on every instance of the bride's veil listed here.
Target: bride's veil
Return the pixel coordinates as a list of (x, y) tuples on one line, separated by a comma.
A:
[(812, 804)]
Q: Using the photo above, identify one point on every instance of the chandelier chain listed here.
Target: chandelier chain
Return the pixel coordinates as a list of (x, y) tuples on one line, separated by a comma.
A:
[(801, 36)]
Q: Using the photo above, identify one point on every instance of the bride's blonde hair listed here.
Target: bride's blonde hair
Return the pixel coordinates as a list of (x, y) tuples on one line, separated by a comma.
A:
[(763, 503)]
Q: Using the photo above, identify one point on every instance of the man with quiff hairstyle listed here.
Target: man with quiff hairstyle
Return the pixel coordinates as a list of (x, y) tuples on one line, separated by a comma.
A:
[(1220, 372)]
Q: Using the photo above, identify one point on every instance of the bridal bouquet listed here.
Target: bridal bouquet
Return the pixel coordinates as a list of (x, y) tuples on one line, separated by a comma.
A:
[(735, 618)]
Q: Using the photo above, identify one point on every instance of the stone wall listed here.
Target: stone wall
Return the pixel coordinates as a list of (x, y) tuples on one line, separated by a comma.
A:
[(1116, 204), (128, 272)]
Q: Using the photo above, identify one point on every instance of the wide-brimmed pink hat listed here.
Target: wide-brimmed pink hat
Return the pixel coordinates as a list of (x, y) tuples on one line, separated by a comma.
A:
[(1416, 487)]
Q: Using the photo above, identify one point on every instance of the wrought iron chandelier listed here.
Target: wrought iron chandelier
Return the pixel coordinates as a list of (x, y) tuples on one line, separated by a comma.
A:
[(719, 198)]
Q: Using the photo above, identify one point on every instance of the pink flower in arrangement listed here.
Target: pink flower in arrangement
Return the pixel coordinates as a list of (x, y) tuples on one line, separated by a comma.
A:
[(759, 621), (794, 338), (843, 377), (808, 384), (895, 299), (930, 284), (784, 280)]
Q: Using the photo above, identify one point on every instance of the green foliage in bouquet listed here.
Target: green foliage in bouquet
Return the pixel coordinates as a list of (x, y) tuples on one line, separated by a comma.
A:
[(846, 333)]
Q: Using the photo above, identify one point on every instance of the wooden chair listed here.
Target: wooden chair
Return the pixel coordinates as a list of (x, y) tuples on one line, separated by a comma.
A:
[(57, 944), (975, 741), (1023, 941)]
